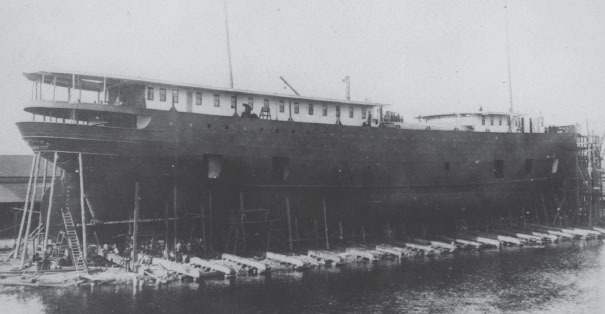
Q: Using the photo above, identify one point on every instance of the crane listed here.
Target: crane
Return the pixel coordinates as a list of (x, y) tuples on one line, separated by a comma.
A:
[(289, 86)]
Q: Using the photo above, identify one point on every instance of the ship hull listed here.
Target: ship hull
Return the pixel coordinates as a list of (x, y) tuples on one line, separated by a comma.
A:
[(363, 174)]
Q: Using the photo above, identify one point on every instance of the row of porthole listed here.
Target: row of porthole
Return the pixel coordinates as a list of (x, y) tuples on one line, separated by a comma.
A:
[(371, 136)]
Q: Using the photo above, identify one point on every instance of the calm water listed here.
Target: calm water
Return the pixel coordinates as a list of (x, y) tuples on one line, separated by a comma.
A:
[(565, 279)]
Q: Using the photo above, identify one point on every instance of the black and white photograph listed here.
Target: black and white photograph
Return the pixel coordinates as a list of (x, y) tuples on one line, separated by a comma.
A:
[(282, 156)]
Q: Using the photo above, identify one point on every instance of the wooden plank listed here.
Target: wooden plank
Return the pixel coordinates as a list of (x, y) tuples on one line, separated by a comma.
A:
[(205, 264), (245, 261), (285, 259), (177, 267), (325, 255)]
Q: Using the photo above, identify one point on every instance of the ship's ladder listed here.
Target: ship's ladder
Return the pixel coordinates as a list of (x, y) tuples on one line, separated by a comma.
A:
[(265, 113), (72, 236)]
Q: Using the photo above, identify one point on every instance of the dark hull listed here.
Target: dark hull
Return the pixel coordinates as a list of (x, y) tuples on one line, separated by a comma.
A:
[(371, 174)]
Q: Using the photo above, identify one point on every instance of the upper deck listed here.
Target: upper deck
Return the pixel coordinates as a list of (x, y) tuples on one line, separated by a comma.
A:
[(131, 95)]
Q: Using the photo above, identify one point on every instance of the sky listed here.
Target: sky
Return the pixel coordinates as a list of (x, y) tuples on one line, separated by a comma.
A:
[(420, 56)]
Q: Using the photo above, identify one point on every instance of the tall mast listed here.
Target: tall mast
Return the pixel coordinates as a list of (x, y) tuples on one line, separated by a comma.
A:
[(347, 81), (510, 84), (228, 45)]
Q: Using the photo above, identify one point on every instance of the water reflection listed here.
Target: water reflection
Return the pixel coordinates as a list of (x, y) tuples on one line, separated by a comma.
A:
[(563, 279)]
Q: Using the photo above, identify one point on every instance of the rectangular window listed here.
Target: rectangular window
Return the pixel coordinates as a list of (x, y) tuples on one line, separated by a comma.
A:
[(162, 94), (446, 166), (499, 168), (500, 120), (337, 111), (529, 166), (324, 110), (296, 108), (482, 120), (175, 96), (310, 109), (363, 113), (251, 102), (149, 93), (281, 106), (508, 120), (217, 100), (266, 103), (198, 98), (491, 121), (351, 112), (233, 102)]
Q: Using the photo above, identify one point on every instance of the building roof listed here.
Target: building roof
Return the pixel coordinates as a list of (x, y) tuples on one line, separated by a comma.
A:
[(15, 192), (96, 83), (14, 176)]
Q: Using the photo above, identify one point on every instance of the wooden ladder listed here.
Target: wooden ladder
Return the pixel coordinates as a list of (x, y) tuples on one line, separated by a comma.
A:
[(72, 235)]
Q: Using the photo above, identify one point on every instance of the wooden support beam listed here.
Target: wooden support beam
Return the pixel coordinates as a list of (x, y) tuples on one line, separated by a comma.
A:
[(174, 209), (326, 225), (289, 224), (204, 237), (297, 234), (25, 206), (50, 202), (82, 208), (31, 208), (135, 227)]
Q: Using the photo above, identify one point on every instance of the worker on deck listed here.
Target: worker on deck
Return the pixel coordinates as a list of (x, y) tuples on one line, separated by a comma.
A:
[(248, 112)]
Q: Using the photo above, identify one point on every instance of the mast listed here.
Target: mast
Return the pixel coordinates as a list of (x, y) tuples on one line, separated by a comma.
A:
[(347, 81), (228, 46), (510, 84)]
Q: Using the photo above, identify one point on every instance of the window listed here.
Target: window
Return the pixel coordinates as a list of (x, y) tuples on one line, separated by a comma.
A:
[(363, 113), (175, 96), (296, 108), (149, 93), (324, 110), (351, 112), (491, 121), (233, 102), (482, 120), (251, 102), (529, 166), (266, 103), (508, 120), (500, 120), (310, 109), (446, 166), (281, 106), (198, 98), (162, 94), (337, 111), (499, 168), (217, 100)]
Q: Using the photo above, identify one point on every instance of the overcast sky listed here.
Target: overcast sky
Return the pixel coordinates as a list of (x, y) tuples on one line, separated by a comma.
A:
[(420, 56)]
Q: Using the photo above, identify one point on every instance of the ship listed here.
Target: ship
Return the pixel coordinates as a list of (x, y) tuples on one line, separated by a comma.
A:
[(202, 155)]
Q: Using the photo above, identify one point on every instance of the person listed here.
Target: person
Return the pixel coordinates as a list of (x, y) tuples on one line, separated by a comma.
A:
[(248, 112)]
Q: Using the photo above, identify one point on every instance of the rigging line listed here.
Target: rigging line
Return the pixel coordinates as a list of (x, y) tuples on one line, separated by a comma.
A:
[(228, 45), (510, 84)]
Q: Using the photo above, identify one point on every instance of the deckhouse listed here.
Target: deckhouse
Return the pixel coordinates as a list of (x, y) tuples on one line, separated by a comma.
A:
[(127, 95)]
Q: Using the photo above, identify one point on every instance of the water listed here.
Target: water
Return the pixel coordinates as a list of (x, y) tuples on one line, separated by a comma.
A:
[(569, 278)]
